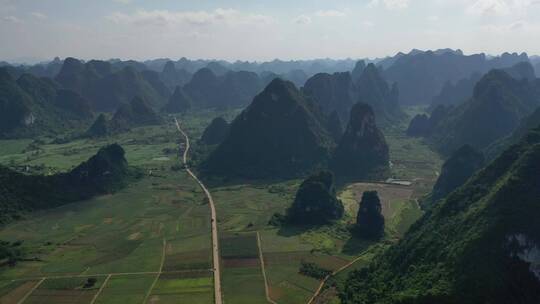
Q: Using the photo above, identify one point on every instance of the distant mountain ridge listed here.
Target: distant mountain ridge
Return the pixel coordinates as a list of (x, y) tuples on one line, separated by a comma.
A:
[(421, 75), (494, 111), (107, 88), (340, 91), (32, 105)]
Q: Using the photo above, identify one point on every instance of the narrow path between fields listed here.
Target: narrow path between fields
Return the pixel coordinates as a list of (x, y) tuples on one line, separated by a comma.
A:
[(318, 291), (159, 272), (101, 289), (213, 219), (261, 258), (31, 290)]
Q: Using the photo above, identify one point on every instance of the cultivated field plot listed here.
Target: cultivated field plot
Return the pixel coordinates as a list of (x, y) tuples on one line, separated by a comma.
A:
[(121, 235), (66, 290), (250, 206), (15, 291), (242, 274), (283, 257), (123, 289), (184, 287)]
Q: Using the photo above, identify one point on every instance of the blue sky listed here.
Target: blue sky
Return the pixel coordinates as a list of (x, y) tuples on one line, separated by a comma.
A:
[(263, 30)]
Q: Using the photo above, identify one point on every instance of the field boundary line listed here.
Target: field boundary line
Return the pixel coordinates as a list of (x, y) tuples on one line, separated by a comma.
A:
[(101, 289), (106, 274), (323, 282), (31, 291), (261, 258), (158, 273)]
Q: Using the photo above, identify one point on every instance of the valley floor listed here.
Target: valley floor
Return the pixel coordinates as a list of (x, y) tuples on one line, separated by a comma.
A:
[(151, 242)]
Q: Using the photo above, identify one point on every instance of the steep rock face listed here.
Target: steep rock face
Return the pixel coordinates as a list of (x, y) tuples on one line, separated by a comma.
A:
[(332, 92), (526, 124), (422, 125), (479, 245), (456, 93), (340, 91), (456, 170), (334, 126), (375, 91), (419, 126), (315, 202), (521, 70), (279, 134), (216, 132), (136, 113), (232, 89), (100, 127), (14, 104), (362, 152), (203, 88), (358, 70), (498, 104), (179, 102), (173, 77), (32, 105), (370, 220)]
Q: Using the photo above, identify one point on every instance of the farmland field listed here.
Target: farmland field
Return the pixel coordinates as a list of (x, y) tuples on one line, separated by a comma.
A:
[(150, 242)]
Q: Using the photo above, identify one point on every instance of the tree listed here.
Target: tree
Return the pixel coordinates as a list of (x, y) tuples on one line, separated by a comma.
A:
[(370, 221), (316, 202)]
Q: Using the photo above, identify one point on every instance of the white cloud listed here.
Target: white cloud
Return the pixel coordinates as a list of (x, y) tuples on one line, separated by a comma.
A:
[(390, 4), (199, 18), (38, 15), (12, 19), (302, 19), (368, 24), (330, 13), (433, 18), (499, 7)]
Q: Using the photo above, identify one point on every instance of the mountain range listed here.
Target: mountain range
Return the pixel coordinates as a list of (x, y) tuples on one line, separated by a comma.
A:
[(30, 105)]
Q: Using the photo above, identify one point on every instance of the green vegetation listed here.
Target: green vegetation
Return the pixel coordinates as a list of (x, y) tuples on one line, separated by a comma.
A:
[(472, 247), (105, 172), (315, 202), (456, 171), (280, 134), (216, 132), (498, 104), (32, 106), (314, 271), (370, 221), (122, 233), (362, 152)]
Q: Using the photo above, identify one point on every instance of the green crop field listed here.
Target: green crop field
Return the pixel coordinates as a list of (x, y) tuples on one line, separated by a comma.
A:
[(153, 237)]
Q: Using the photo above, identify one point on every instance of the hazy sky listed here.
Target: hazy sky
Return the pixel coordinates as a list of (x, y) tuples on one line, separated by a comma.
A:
[(263, 30)]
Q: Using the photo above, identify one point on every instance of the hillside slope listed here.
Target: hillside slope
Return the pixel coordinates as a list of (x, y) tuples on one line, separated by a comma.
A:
[(480, 245)]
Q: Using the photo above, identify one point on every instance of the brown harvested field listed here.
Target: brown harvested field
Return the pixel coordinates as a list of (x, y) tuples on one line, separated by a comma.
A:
[(390, 195), (188, 260), (232, 263), (17, 292)]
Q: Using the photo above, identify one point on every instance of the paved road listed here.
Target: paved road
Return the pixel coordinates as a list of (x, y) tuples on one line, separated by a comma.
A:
[(215, 245)]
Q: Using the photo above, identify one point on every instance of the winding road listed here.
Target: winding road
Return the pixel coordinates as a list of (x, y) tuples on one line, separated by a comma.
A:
[(215, 244)]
